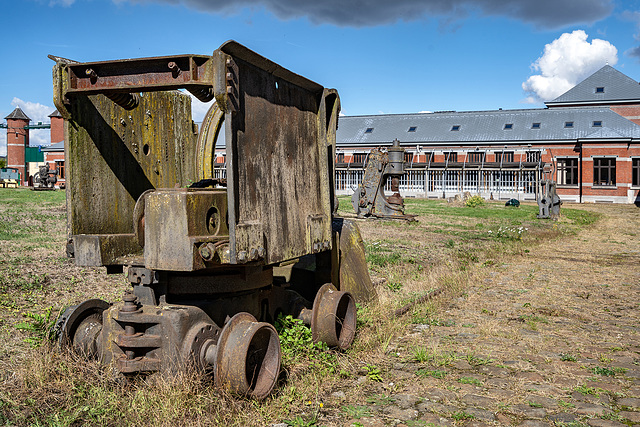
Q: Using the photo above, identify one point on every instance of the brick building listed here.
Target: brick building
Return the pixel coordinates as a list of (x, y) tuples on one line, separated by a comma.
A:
[(590, 135), (54, 153), (17, 141)]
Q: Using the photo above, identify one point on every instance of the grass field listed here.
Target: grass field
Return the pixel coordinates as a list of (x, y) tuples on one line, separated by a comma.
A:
[(450, 246)]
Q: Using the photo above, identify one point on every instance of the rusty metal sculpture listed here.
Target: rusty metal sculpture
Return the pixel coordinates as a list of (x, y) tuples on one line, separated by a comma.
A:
[(45, 178), (548, 200), (212, 262), (369, 199)]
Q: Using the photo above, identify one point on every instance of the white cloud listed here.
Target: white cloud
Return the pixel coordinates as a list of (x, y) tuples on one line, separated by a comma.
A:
[(65, 3), (37, 112), (565, 62)]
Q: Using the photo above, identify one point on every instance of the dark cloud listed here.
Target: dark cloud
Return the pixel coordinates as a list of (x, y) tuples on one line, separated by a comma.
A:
[(633, 52), (361, 13)]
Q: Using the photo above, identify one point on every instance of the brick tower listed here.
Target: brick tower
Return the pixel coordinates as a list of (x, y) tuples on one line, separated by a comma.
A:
[(17, 141)]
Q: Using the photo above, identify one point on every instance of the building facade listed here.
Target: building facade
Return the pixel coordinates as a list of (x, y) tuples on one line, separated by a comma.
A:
[(590, 136), (54, 153)]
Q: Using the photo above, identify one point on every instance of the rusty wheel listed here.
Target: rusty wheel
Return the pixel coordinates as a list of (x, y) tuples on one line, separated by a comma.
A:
[(333, 320), (79, 326), (248, 357)]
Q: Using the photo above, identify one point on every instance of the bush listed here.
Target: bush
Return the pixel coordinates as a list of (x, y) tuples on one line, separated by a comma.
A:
[(474, 201)]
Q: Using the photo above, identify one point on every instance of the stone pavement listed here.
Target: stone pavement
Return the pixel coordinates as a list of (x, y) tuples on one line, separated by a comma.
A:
[(550, 338)]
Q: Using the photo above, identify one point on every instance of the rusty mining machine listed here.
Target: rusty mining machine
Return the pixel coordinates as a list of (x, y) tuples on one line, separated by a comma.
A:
[(369, 200), (547, 197), (212, 260)]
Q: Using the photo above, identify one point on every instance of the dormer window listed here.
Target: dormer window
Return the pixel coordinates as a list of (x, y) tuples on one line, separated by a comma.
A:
[(568, 124), (369, 130), (600, 89), (412, 128), (535, 125), (597, 123), (455, 127), (508, 126)]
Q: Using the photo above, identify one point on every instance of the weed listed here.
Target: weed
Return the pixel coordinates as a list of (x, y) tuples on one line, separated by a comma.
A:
[(566, 357), (475, 201), (420, 354), (594, 391), (373, 373), (604, 359), (604, 371), (437, 373), (39, 325), (470, 380), (608, 372), (474, 360), (297, 344), (566, 404), (394, 286), (535, 405), (461, 416), (357, 412), (380, 399)]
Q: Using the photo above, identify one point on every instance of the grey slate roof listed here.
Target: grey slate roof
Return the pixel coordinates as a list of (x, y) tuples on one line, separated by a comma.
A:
[(18, 114), (58, 146), (55, 114), (617, 88), (485, 127)]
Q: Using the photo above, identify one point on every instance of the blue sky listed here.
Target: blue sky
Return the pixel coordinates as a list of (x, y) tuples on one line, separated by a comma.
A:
[(383, 57)]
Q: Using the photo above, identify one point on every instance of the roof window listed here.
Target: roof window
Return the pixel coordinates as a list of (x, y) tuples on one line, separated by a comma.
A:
[(600, 89), (535, 125), (455, 127), (369, 130), (412, 128), (568, 124), (508, 126), (597, 123)]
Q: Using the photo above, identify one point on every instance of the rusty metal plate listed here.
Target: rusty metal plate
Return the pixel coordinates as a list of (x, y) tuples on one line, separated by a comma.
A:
[(114, 155), (277, 161)]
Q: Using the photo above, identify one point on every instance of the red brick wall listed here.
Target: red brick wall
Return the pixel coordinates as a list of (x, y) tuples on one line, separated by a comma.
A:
[(631, 112), (57, 129)]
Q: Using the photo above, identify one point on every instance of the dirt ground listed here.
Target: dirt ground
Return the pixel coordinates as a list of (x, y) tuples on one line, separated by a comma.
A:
[(551, 337)]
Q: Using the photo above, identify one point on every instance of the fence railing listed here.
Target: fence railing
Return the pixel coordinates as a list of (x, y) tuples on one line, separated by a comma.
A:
[(436, 183)]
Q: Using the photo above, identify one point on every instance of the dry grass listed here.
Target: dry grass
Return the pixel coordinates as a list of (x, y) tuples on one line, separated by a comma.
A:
[(449, 248)]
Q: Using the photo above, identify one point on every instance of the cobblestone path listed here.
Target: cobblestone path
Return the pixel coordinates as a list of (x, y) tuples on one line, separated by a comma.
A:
[(550, 338)]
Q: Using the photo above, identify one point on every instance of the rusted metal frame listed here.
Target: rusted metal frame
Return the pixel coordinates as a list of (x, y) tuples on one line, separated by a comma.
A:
[(287, 96), (140, 75)]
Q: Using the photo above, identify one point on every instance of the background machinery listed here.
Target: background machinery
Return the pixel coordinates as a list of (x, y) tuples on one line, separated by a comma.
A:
[(369, 199), (548, 200)]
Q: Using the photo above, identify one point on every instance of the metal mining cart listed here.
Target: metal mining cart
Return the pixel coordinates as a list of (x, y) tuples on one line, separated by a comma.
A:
[(212, 262)]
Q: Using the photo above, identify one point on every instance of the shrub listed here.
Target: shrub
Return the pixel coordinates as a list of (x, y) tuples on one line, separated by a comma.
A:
[(474, 201)]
